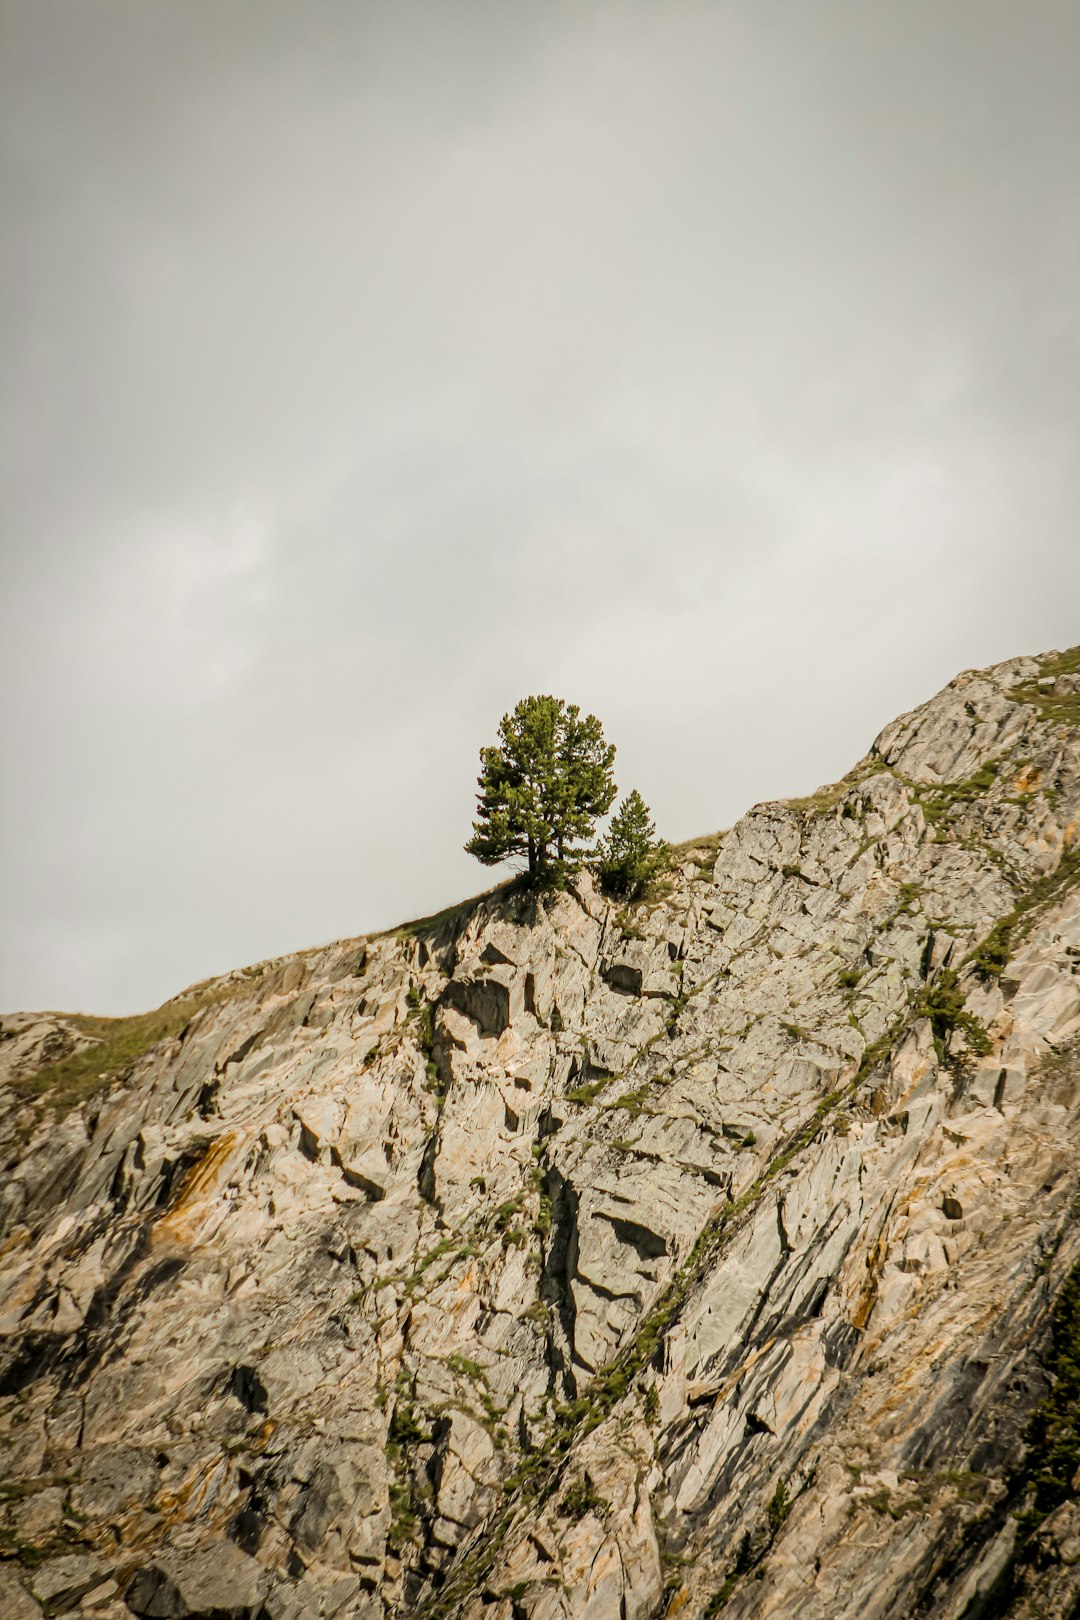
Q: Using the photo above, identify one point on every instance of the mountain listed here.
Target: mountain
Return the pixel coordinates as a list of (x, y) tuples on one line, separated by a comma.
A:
[(551, 1260)]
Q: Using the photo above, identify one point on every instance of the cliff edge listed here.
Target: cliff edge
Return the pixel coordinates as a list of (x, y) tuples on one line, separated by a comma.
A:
[(550, 1260)]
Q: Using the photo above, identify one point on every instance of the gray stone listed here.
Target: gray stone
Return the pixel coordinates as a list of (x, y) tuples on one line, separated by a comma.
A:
[(216, 1582), (59, 1583), (15, 1601), (374, 1234)]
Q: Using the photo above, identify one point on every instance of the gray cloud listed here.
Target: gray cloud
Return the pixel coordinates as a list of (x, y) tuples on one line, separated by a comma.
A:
[(714, 365)]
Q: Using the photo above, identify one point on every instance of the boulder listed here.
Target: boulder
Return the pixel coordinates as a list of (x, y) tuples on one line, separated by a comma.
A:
[(216, 1582)]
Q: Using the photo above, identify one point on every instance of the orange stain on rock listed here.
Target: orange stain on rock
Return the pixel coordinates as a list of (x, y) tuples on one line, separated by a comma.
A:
[(201, 1185)]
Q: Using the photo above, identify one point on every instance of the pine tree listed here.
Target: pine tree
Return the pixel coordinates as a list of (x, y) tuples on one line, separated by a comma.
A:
[(632, 855), (542, 788)]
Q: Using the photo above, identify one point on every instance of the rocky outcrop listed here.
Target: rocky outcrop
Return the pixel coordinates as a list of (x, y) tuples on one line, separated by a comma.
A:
[(556, 1261)]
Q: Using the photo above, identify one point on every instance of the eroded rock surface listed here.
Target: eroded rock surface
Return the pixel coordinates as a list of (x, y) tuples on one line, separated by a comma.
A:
[(563, 1262)]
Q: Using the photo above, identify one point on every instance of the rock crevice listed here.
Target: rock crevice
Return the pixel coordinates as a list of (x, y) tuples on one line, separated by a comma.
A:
[(555, 1261)]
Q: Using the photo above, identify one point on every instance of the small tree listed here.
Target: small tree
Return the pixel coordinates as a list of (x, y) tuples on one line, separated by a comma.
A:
[(632, 856), (542, 788)]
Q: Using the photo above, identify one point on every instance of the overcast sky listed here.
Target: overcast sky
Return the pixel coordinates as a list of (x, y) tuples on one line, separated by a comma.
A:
[(367, 367)]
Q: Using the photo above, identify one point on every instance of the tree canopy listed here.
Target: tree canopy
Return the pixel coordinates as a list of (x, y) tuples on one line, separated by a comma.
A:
[(542, 787), (632, 856)]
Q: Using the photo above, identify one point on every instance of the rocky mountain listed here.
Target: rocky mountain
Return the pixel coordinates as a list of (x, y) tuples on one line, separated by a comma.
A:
[(546, 1260)]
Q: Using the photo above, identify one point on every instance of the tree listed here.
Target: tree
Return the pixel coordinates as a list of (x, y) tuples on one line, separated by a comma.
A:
[(632, 855), (542, 788)]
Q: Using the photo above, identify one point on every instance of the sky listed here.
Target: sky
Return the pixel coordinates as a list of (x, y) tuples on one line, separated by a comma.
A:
[(712, 364)]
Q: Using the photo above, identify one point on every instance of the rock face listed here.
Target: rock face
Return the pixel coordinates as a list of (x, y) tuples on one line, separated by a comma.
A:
[(554, 1262)]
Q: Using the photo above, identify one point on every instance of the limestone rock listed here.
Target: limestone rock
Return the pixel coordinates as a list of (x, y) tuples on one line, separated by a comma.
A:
[(213, 1583), (572, 1261), (15, 1601), (60, 1582)]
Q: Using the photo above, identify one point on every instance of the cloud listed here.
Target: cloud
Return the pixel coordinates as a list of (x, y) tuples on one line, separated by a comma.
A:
[(716, 366)]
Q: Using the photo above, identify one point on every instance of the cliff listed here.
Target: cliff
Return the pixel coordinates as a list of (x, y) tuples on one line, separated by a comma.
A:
[(546, 1260)]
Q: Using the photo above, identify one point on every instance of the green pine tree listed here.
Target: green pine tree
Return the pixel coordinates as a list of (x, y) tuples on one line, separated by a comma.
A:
[(543, 786), (632, 856)]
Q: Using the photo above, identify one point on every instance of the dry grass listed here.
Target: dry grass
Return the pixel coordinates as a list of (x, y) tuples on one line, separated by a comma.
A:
[(119, 1043)]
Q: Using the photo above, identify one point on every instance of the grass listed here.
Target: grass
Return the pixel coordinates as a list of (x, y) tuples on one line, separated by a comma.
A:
[(939, 803), (719, 1598), (405, 1428), (1061, 707), (627, 928), (990, 956), (119, 1043), (679, 1003), (420, 1013), (542, 1223), (404, 1520), (463, 1365), (581, 1499), (539, 1473), (908, 897), (707, 844), (634, 1101), (748, 1558), (438, 920), (588, 1092), (779, 1507), (828, 797), (942, 1002), (1058, 1060)]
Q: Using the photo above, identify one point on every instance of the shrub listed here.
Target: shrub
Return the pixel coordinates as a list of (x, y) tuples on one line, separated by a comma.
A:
[(779, 1507), (943, 1003), (631, 856), (581, 1499)]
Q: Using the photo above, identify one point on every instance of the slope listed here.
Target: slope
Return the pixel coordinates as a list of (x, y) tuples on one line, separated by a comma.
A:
[(554, 1260)]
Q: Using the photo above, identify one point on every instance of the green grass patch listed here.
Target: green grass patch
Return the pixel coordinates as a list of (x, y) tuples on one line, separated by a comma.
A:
[(992, 952), (581, 1499), (1062, 707), (588, 1092), (828, 797), (467, 1368), (627, 928), (990, 956), (405, 1427), (938, 803), (908, 895), (942, 1001), (634, 1101), (119, 1043), (705, 847)]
